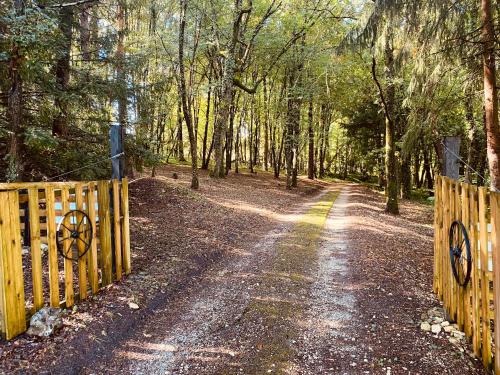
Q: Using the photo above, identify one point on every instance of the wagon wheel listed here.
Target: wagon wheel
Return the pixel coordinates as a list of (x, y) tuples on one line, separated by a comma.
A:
[(460, 254), (74, 234)]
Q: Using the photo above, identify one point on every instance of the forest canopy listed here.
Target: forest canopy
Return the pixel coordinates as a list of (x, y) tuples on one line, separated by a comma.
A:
[(365, 90)]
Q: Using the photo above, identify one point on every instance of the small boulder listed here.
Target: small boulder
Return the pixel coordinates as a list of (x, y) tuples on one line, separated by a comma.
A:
[(445, 323), (448, 329), (424, 326), (436, 328), (45, 322)]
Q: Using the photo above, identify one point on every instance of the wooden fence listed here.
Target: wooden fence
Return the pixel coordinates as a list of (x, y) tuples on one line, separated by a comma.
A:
[(32, 271), (476, 307)]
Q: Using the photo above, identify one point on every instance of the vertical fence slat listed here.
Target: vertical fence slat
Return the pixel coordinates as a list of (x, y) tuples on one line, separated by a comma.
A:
[(495, 245), (69, 293), (467, 292), (92, 269), (439, 237), (82, 261), (437, 265), (51, 236), (105, 231), (446, 223), (483, 247), (117, 229), (125, 227), (476, 311), (36, 253), (11, 271)]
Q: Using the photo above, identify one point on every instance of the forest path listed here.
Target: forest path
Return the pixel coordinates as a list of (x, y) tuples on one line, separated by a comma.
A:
[(273, 310)]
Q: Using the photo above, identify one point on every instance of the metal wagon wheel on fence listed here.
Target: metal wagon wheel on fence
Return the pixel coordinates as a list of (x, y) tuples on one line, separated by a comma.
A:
[(460, 253), (74, 234)]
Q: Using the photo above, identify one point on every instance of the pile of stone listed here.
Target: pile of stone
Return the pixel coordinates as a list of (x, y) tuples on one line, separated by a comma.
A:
[(437, 321)]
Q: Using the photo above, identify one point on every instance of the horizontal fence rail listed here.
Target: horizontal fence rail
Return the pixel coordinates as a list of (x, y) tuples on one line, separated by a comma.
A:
[(475, 307), (33, 272)]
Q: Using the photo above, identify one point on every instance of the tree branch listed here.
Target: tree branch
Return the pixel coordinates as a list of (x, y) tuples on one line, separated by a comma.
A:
[(381, 92)]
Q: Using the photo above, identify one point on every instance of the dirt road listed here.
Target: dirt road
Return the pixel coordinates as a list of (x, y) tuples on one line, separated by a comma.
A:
[(259, 280)]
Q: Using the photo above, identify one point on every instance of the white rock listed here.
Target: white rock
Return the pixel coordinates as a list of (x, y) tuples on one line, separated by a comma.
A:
[(45, 322), (424, 326), (133, 306), (436, 328), (438, 320), (448, 329), (445, 324)]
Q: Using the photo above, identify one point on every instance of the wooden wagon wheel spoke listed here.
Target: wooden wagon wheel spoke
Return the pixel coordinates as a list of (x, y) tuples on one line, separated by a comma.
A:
[(62, 224)]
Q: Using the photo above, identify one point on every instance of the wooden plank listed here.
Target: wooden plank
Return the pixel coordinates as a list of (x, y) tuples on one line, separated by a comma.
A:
[(11, 270), (495, 246), (105, 231), (117, 229), (444, 240), (467, 292), (483, 247), (38, 184), (125, 228), (82, 261), (92, 258), (476, 294), (36, 253), (53, 267), (439, 238), (454, 285), (435, 284), (69, 294)]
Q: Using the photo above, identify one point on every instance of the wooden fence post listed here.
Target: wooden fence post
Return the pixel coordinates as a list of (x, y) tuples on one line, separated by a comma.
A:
[(69, 293), (93, 274), (476, 275), (485, 282), (125, 227), (36, 252), (82, 261), (13, 314), (117, 229), (50, 201), (105, 231), (495, 246)]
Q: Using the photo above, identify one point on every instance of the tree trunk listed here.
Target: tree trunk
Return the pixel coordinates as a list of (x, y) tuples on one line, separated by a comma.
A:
[(15, 110), (184, 96), (266, 127), (180, 139), (406, 178), (311, 162), (230, 134), (62, 71), (85, 31), (227, 94), (122, 82), (204, 163), (392, 205), (490, 94)]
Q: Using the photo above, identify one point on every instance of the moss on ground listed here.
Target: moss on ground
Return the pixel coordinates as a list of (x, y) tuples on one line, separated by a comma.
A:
[(282, 290)]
